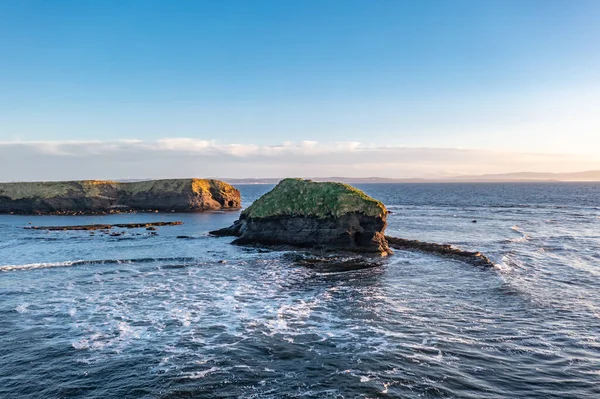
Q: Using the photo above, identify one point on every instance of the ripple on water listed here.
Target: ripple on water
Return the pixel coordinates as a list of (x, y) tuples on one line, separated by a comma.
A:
[(163, 318)]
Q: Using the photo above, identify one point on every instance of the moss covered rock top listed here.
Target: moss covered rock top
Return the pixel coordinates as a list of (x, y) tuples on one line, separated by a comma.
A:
[(16, 191), (95, 188), (194, 185), (298, 197)]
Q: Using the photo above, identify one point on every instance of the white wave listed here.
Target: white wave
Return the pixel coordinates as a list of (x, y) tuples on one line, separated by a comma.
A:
[(201, 374), (183, 316), (22, 308), (41, 265), (524, 236), (516, 228), (509, 263), (290, 317), (81, 344), (385, 387), (80, 262)]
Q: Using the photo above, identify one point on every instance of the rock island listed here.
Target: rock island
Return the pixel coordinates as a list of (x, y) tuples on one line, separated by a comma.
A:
[(321, 215)]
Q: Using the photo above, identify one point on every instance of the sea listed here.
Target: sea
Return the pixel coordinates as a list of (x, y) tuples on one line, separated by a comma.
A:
[(181, 314)]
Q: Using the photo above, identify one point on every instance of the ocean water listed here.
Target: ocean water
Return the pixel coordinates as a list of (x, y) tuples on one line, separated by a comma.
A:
[(143, 316)]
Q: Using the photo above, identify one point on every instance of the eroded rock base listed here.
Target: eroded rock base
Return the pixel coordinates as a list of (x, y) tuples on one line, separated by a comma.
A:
[(351, 232)]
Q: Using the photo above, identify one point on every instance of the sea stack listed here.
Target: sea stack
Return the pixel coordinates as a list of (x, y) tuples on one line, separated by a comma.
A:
[(96, 197), (320, 215)]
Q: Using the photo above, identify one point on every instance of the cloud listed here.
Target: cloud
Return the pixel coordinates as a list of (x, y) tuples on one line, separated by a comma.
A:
[(186, 157)]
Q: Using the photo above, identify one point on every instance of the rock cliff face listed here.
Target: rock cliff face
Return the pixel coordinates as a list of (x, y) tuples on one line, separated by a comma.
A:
[(94, 196), (304, 213)]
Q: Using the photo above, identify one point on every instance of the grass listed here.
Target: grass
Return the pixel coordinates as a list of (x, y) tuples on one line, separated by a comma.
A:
[(16, 191), (96, 188), (298, 197)]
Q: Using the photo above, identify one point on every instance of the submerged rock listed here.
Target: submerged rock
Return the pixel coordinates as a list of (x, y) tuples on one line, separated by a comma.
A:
[(94, 196), (443, 250), (333, 263), (105, 227), (304, 213)]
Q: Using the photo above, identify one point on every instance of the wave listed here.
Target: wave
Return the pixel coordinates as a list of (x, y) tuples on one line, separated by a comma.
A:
[(45, 265), (201, 374), (510, 263), (524, 236)]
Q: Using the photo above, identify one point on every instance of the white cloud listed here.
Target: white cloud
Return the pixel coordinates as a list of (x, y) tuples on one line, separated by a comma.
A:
[(186, 157), (181, 144)]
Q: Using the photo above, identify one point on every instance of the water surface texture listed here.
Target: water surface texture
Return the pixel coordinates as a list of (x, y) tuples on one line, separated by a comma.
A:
[(156, 316)]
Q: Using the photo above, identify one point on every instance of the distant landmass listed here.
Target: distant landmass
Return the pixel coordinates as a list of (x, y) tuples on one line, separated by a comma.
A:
[(591, 175), (349, 180), (587, 176)]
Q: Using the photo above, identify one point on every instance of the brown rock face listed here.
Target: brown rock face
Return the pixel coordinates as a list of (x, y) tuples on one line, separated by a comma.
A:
[(92, 196)]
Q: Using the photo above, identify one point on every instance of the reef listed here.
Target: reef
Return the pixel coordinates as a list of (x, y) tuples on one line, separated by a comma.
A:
[(443, 250), (148, 226)]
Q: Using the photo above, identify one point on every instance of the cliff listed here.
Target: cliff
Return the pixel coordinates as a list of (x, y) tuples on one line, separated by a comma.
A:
[(96, 196)]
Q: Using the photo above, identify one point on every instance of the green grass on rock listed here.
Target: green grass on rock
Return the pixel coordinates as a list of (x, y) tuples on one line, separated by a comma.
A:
[(298, 197)]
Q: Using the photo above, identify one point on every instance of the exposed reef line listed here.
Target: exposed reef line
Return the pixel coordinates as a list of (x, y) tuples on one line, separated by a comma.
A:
[(104, 226), (443, 250)]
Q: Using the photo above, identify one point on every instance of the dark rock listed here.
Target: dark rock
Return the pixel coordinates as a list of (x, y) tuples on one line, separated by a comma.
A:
[(444, 250), (105, 227), (308, 214), (333, 263)]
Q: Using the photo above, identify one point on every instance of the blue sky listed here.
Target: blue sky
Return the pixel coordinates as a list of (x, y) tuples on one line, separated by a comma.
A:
[(513, 76)]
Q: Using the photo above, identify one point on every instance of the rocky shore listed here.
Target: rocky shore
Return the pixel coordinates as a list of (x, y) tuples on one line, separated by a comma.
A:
[(307, 214), (98, 197)]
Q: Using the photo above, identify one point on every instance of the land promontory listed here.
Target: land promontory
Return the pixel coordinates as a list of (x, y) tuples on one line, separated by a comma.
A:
[(321, 215), (101, 196)]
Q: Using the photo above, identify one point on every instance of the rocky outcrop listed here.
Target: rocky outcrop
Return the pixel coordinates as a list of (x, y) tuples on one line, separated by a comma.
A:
[(95, 196), (308, 214), (443, 250)]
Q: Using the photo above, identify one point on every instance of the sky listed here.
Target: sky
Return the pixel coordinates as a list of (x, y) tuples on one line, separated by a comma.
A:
[(140, 89)]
